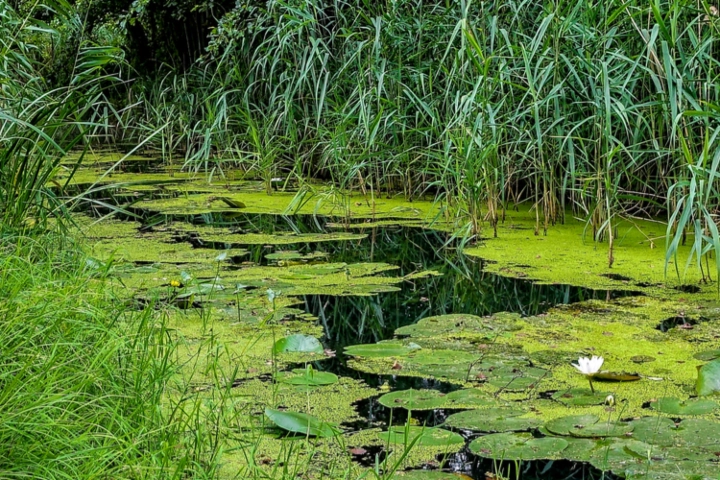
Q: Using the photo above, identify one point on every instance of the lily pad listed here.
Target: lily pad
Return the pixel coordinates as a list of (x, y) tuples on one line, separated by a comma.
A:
[(579, 449), (697, 432), (674, 406), (580, 397), (516, 379), (708, 381), (616, 377), (707, 355), (379, 350), (564, 425), (518, 446), (302, 423), (443, 357), (298, 343), (492, 420), (426, 436), (307, 376), (655, 430), (433, 399), (605, 429)]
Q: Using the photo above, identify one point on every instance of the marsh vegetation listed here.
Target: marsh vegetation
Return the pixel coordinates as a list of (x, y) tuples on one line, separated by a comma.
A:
[(334, 239)]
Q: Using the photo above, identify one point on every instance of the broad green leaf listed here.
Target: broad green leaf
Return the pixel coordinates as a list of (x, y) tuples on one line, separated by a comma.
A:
[(708, 381), (298, 343), (674, 406), (302, 423)]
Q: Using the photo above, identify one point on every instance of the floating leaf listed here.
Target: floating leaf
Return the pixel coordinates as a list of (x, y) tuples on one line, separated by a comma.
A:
[(605, 429), (579, 449), (616, 377), (515, 378), (707, 355), (433, 399), (563, 425), (492, 420), (426, 436), (413, 399), (514, 446), (674, 406), (580, 397), (697, 432), (303, 423), (307, 376), (298, 343), (708, 382), (655, 430), (443, 357), (613, 454), (379, 350)]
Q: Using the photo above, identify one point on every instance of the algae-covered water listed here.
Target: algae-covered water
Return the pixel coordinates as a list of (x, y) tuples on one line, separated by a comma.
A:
[(362, 322)]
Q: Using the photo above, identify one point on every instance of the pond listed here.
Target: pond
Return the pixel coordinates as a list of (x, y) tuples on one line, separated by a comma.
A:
[(365, 323)]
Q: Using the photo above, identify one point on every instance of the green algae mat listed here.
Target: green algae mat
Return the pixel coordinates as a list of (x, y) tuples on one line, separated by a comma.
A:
[(253, 302)]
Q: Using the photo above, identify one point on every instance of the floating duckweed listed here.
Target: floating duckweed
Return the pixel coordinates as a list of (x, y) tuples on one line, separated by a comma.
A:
[(422, 436)]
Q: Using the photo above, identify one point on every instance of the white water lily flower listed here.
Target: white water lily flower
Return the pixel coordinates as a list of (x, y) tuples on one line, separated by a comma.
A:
[(589, 366)]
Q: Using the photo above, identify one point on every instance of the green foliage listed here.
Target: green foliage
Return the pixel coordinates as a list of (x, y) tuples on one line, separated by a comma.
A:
[(39, 124), (301, 423), (708, 382), (298, 343), (83, 377)]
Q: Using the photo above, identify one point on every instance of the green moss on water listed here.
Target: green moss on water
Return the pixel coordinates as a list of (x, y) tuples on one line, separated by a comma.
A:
[(208, 234), (158, 248), (281, 202), (568, 255), (619, 331)]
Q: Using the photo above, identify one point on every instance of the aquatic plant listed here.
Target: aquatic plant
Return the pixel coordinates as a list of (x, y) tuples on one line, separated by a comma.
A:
[(589, 367)]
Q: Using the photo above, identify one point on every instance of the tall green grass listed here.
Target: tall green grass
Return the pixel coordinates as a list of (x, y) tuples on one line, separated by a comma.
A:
[(39, 122), (599, 109), (83, 377)]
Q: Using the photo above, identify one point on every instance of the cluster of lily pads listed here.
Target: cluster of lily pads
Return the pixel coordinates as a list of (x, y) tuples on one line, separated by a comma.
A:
[(528, 401)]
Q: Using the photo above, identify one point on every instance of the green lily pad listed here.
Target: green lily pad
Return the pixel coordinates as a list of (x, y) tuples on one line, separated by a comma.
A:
[(379, 350), (518, 446), (307, 376), (708, 381), (698, 432), (492, 420), (655, 430), (613, 454), (605, 429), (517, 379), (302, 423), (413, 399), (460, 323), (564, 425), (284, 255), (433, 399), (707, 355), (580, 397), (674, 406), (426, 436), (443, 357), (298, 343), (579, 449), (615, 377)]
